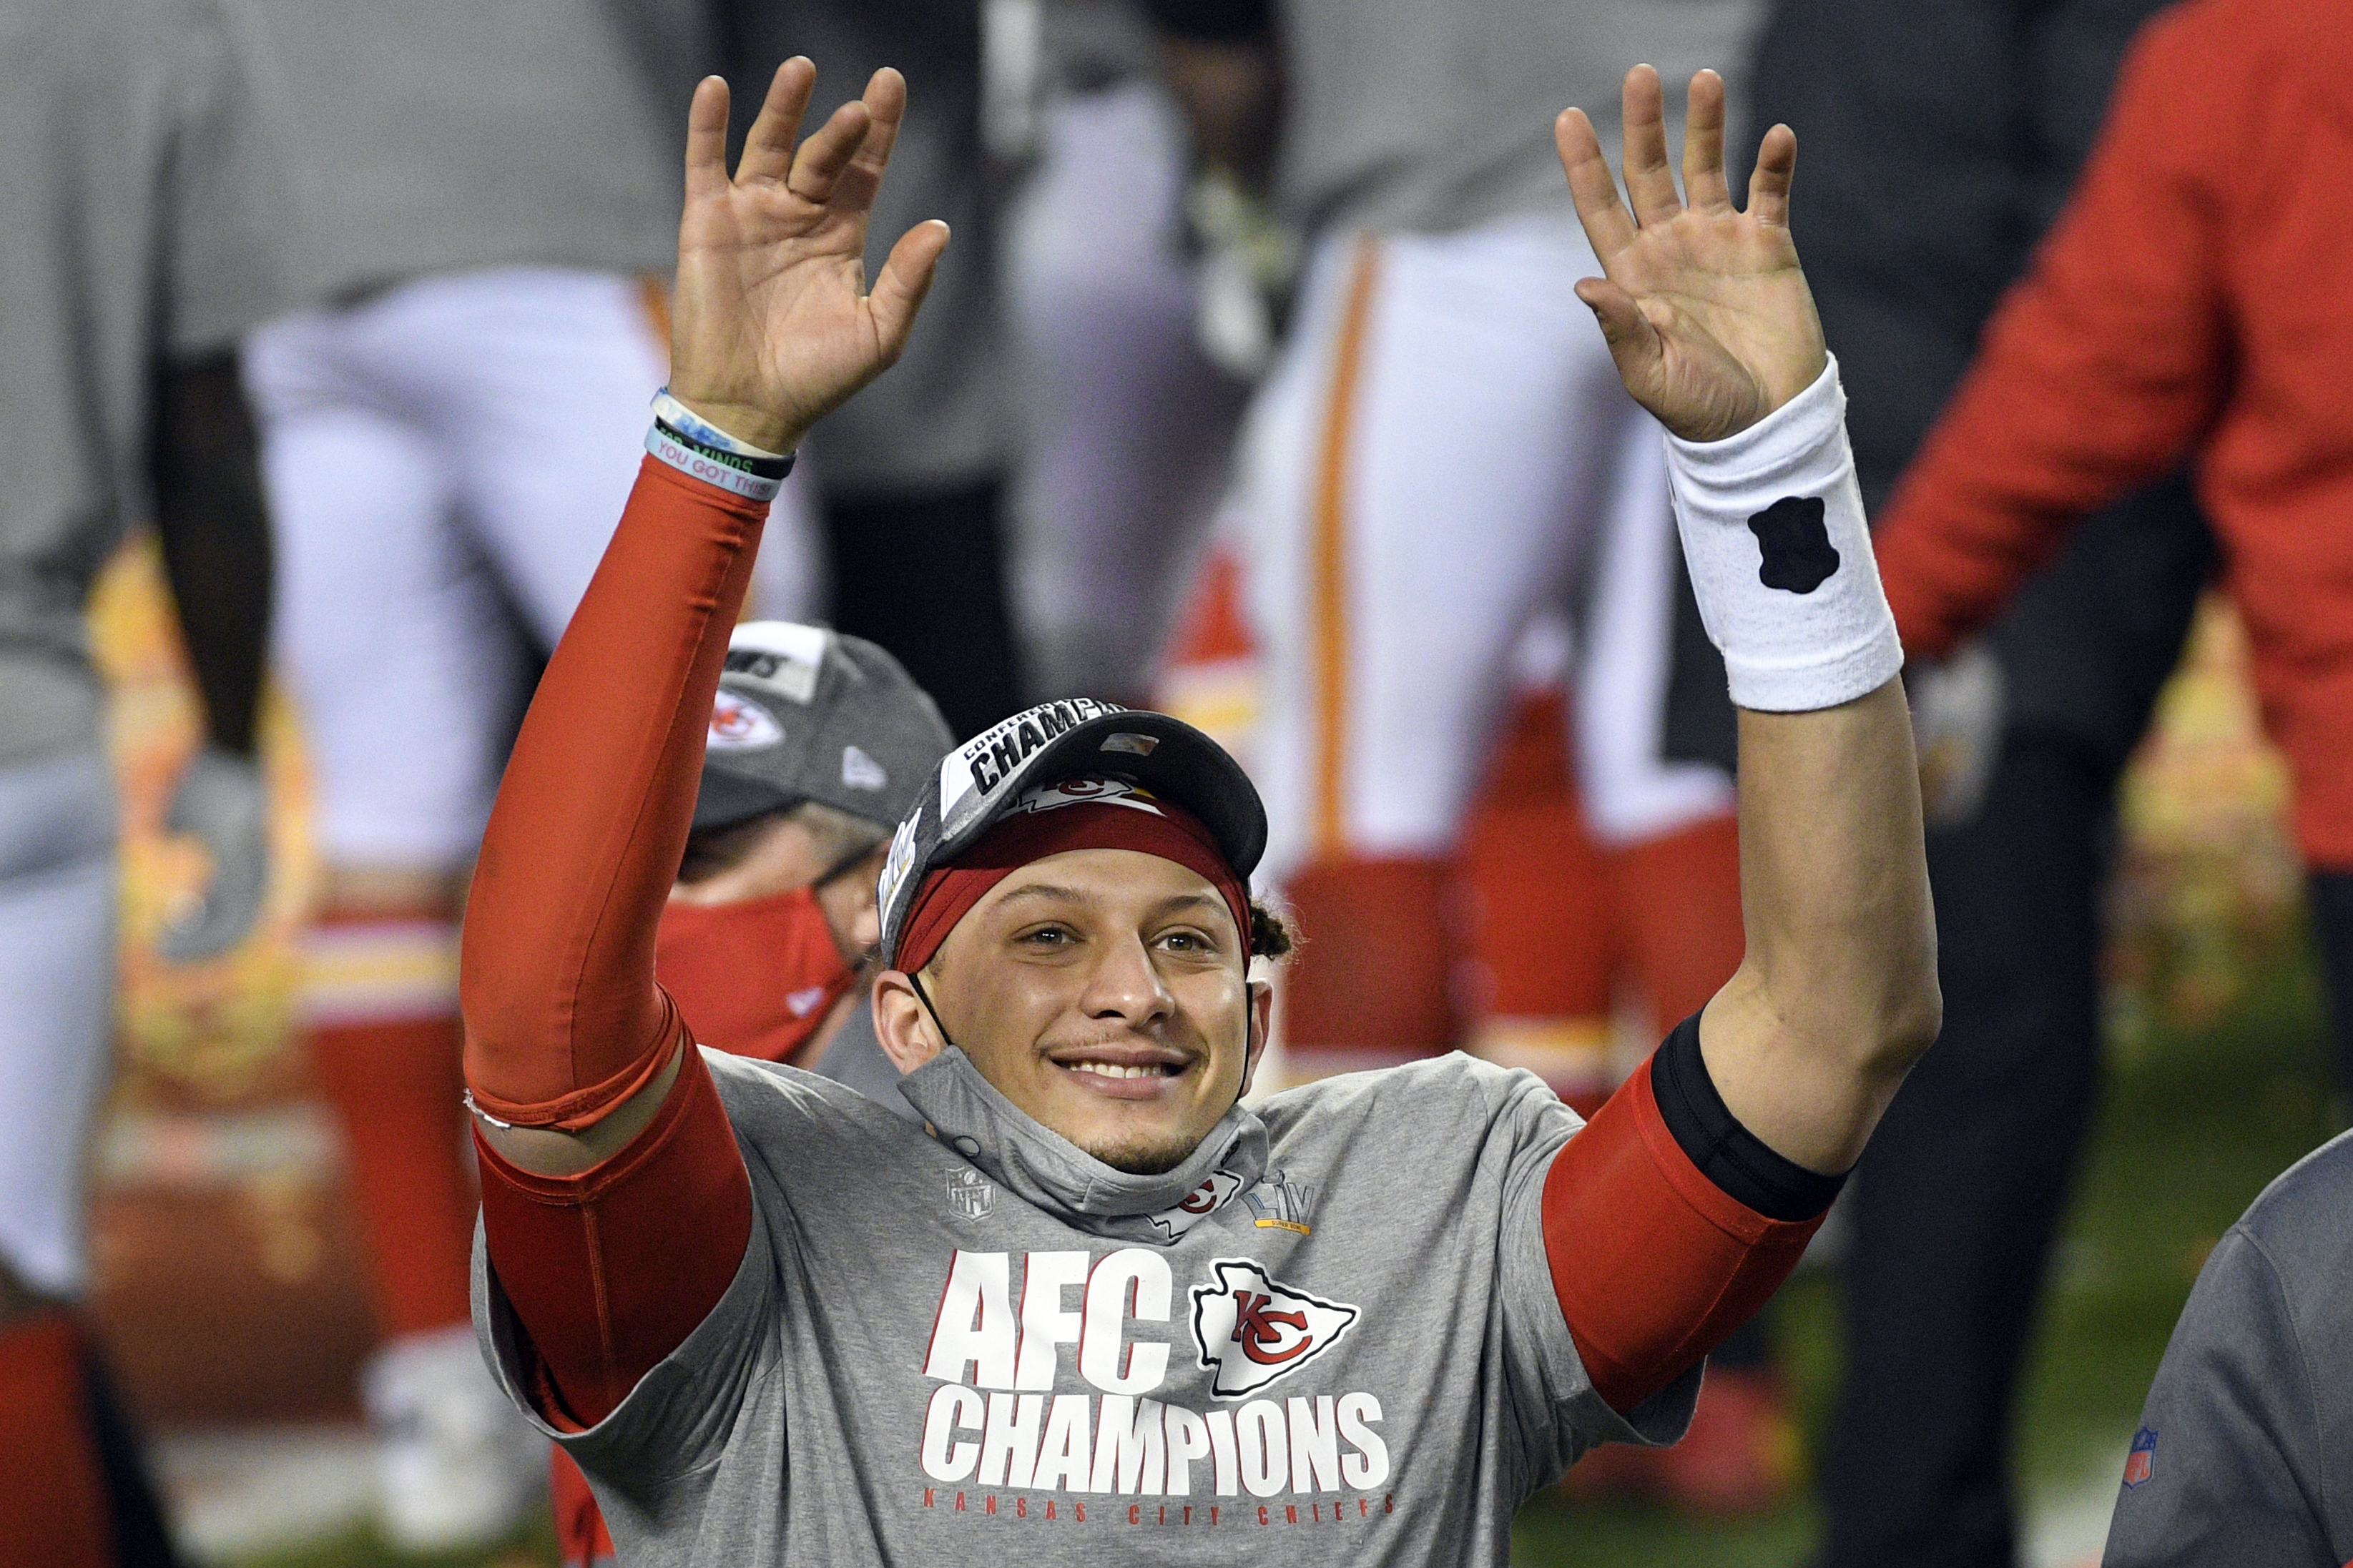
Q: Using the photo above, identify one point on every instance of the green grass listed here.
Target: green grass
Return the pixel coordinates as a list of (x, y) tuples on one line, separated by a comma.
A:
[(2193, 1122), (533, 1547)]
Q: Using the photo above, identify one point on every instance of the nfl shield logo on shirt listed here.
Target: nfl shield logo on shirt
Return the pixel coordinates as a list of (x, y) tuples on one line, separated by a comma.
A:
[(2141, 1463), (970, 1192)]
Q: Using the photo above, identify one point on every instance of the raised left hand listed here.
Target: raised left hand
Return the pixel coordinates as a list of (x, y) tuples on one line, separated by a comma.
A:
[(1704, 306)]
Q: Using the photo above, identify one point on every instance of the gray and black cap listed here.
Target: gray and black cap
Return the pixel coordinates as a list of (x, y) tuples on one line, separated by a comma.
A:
[(804, 713), (980, 783)]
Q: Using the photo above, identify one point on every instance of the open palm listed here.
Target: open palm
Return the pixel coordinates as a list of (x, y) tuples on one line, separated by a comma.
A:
[(773, 325), (1705, 306)]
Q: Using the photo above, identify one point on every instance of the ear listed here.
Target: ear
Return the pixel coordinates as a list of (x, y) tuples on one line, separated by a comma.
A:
[(902, 1023), (1260, 1024)]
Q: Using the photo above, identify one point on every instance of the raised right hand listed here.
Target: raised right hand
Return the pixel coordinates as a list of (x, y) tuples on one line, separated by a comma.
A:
[(773, 325)]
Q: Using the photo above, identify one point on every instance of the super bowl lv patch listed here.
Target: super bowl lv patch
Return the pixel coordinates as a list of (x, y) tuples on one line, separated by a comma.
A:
[(2141, 1463)]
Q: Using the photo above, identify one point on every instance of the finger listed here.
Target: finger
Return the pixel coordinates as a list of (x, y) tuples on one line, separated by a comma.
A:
[(1649, 181), (706, 139), (1704, 182), (825, 155), (886, 101), (1768, 188), (1608, 226), (768, 145), (906, 277)]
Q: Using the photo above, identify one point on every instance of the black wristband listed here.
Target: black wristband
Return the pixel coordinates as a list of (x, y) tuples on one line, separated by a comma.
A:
[(758, 468), (1727, 1153)]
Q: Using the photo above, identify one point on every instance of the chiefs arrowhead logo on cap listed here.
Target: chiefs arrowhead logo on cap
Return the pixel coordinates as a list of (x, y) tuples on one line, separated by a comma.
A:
[(737, 725), (1252, 1327)]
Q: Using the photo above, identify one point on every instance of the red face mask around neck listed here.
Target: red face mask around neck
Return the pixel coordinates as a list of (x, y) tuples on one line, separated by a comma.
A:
[(754, 978)]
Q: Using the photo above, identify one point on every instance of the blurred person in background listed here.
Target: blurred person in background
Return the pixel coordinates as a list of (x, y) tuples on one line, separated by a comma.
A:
[(2189, 305), (1440, 456), (911, 480), (141, 233), (2193, 305), (818, 745), (446, 430), (1438, 453), (1130, 422)]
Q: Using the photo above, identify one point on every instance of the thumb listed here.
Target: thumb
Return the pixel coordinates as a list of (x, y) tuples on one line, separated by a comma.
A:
[(906, 277), (1633, 341)]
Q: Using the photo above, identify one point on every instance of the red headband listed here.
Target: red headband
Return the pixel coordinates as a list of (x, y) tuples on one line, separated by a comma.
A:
[(948, 892)]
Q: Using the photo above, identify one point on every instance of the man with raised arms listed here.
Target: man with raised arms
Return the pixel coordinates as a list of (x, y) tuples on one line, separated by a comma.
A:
[(1094, 1303)]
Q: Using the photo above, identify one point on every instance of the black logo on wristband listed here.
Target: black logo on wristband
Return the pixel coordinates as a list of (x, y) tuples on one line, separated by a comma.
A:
[(1798, 555)]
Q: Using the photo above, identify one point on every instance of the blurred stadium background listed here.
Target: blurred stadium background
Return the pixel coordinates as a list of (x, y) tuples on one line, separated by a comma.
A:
[(230, 1288)]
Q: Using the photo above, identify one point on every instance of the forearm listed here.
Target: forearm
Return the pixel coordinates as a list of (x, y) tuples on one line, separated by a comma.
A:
[(215, 530), (1836, 994), (564, 1021)]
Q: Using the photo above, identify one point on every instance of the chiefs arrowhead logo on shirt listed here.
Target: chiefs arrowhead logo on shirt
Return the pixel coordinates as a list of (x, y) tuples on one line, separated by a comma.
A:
[(1252, 1327), (1196, 1206)]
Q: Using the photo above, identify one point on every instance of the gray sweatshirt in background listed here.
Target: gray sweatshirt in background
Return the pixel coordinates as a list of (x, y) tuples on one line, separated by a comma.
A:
[(2244, 1455)]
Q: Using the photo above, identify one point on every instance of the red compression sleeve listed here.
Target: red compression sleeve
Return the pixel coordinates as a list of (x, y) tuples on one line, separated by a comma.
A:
[(611, 1269), (1653, 1263), (562, 1018)]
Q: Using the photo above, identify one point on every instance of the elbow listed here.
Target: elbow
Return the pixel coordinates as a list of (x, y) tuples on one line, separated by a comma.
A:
[(1910, 1015), (1916, 1026)]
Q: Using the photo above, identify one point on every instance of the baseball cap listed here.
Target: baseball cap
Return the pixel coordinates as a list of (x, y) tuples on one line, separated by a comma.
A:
[(979, 784), (807, 713)]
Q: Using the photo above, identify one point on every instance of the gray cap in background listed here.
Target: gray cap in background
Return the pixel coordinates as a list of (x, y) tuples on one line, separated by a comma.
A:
[(805, 714)]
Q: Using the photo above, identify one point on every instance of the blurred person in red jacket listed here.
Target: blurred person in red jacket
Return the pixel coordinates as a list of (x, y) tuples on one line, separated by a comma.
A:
[(2194, 301)]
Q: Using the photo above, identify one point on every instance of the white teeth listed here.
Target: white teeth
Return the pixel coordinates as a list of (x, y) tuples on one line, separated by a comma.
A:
[(1116, 1069)]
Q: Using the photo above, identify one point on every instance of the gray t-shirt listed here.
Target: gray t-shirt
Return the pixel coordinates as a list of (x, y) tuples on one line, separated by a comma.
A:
[(433, 135), (1401, 115), (2244, 1454), (1333, 1334), (138, 224), (855, 1056)]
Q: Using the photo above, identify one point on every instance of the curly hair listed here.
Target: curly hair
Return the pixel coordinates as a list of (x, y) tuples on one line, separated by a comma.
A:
[(1270, 936)]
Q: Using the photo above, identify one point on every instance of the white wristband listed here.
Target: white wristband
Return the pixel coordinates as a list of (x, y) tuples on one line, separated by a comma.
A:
[(694, 427), (1780, 557)]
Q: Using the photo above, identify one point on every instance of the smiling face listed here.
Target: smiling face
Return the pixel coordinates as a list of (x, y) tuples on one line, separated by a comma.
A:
[(1105, 994)]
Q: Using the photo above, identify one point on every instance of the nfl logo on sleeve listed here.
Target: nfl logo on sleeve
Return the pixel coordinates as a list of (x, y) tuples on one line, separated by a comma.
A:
[(2141, 1463), (970, 1192)]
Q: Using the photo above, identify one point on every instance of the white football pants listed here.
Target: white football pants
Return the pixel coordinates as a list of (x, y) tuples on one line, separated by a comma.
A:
[(1129, 424), (57, 875), (445, 464), (1443, 453)]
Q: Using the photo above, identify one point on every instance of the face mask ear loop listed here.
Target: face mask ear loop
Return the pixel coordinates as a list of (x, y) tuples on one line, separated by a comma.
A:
[(925, 998), (1249, 1033)]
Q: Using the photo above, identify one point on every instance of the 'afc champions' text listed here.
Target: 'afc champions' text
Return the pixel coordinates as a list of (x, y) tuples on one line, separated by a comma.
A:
[(995, 1422)]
